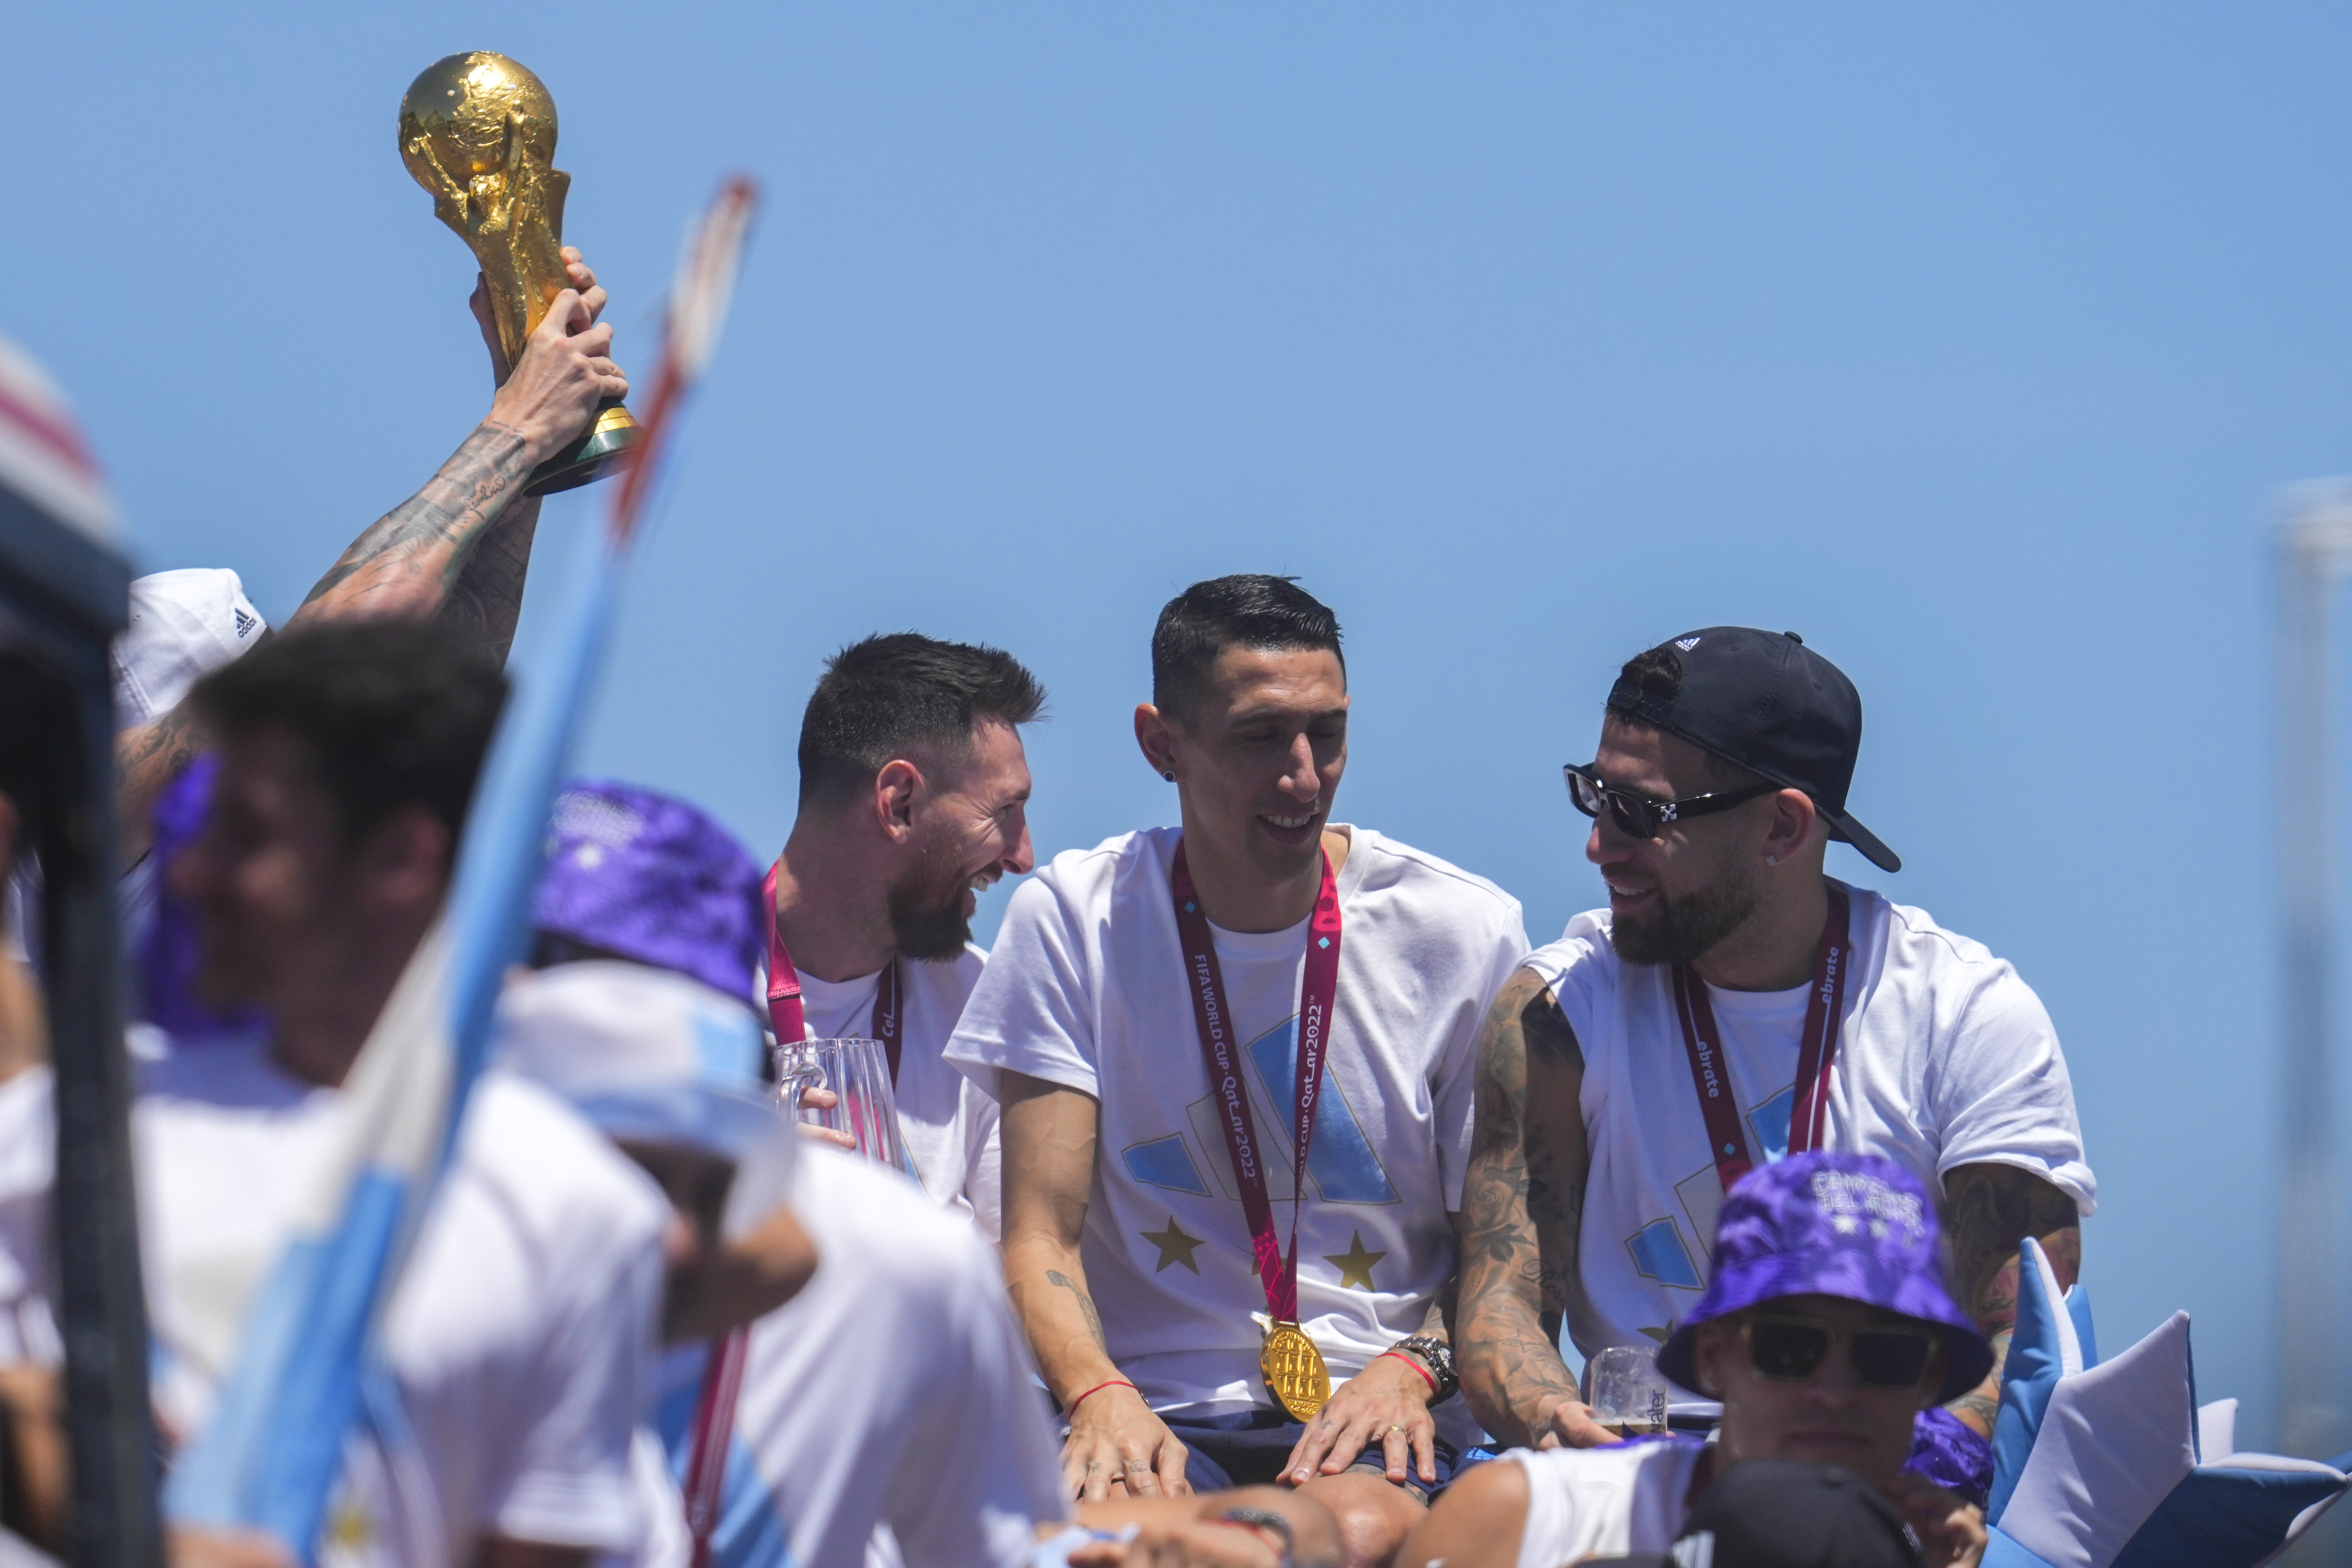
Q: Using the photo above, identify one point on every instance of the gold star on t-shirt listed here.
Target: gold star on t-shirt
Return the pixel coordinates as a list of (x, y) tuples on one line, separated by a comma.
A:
[(1355, 1265), (1174, 1245)]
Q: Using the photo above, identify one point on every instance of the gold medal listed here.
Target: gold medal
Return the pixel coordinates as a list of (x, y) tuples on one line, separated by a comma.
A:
[(1295, 1373)]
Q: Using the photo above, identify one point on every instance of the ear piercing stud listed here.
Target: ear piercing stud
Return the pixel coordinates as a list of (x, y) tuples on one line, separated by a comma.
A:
[(1771, 859), (1170, 777)]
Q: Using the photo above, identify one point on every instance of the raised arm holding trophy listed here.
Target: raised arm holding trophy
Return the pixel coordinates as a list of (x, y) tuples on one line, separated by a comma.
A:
[(477, 131)]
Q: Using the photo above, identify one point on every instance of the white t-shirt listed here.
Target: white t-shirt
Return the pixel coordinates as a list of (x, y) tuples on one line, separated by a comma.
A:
[(947, 1123), (1946, 1059), (28, 1158), (1087, 988), (894, 1391), (520, 1334), (1604, 1503)]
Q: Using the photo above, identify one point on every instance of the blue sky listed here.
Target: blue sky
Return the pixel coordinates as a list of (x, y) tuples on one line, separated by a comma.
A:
[(1973, 342)]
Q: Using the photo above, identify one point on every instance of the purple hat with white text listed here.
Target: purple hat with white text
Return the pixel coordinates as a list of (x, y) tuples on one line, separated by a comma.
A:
[(647, 877), (1826, 1223)]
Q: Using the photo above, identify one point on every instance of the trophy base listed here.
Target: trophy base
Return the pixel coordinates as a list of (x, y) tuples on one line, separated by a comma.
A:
[(607, 448)]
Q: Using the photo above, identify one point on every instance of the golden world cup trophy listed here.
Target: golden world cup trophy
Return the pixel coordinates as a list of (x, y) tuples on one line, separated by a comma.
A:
[(477, 132)]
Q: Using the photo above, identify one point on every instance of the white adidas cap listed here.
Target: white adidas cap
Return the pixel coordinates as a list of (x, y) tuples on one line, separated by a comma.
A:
[(184, 626)]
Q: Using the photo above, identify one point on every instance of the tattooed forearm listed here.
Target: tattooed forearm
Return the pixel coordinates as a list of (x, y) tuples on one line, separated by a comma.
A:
[(487, 599), (1989, 1210), (406, 562), (146, 760), (1086, 1305), (1522, 1198)]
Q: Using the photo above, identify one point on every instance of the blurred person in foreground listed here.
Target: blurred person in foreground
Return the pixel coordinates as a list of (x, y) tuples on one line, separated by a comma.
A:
[(1734, 1003), (913, 801), (33, 1465), (1825, 1329), (893, 1389), (455, 552), (1141, 1180), (518, 1337), (1249, 1527)]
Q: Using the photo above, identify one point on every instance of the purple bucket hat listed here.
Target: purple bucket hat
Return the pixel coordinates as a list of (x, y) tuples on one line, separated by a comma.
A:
[(1824, 1224), (650, 878)]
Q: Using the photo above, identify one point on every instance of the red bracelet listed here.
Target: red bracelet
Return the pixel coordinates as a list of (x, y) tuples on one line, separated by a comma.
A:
[(1416, 1366), (1114, 1383)]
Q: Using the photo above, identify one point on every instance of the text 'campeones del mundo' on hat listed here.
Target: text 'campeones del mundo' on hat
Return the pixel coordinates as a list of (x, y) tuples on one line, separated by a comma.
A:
[(650, 878), (1829, 1223), (1768, 703)]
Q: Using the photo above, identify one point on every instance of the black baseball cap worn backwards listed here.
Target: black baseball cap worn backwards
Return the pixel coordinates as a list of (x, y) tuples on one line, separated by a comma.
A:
[(1768, 703)]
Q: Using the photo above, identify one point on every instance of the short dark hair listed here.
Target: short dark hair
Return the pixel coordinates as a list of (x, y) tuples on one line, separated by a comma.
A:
[(1658, 672), (898, 694), (1248, 609), (393, 713)]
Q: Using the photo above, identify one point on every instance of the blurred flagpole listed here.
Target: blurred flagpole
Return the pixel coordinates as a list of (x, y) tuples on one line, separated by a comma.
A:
[(2315, 539), (270, 1456)]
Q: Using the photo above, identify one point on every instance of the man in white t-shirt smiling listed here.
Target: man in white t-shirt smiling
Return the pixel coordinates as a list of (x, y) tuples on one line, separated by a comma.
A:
[(1157, 1013), (1734, 1004), (914, 798), (519, 1335)]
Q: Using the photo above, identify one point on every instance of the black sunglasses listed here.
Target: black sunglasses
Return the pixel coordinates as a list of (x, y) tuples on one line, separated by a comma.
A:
[(1644, 818), (1794, 1347)]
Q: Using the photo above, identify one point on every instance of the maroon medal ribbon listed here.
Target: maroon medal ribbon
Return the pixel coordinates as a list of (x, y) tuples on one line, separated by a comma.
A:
[(1222, 1053), (1816, 1051), (714, 1422)]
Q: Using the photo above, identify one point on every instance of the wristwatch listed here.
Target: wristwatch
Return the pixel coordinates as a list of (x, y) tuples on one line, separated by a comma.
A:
[(1436, 1355)]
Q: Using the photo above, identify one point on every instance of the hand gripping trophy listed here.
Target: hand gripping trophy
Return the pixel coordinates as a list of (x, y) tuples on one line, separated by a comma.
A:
[(477, 131)]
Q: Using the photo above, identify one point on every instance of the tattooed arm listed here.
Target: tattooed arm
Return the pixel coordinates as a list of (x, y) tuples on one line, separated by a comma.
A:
[(1990, 1208), (458, 549), (146, 759), (1522, 1202), (1116, 1447), (408, 560)]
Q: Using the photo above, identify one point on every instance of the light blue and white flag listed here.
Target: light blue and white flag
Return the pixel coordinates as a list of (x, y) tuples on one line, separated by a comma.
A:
[(270, 1455), (2113, 1464)]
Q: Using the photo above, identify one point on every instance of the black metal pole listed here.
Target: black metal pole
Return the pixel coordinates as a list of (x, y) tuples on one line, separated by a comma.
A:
[(103, 1312)]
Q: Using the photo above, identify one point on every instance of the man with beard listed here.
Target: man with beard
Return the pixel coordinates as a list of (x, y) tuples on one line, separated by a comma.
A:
[(913, 797), (1731, 1006)]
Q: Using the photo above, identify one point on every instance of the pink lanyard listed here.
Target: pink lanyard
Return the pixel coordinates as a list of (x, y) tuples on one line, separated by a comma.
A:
[(722, 1379), (786, 1015), (1816, 1051), (1219, 1050)]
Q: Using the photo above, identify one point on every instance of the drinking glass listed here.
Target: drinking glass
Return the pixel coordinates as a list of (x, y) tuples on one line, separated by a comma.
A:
[(1625, 1391), (859, 1074)]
